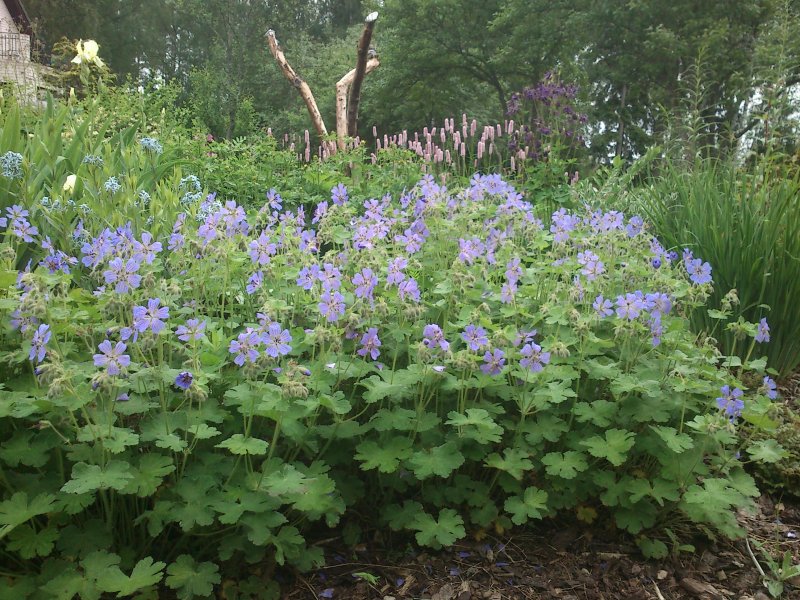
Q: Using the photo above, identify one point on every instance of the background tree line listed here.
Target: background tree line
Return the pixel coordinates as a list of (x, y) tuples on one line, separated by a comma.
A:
[(650, 71)]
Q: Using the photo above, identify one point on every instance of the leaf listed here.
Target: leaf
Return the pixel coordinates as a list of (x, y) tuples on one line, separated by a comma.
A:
[(677, 442), (599, 412), (171, 441), (191, 578), (566, 465), (531, 505), (337, 403), (145, 574), (401, 517), (385, 457), (439, 460), (30, 543), (403, 384), (476, 424), (652, 548), (149, 475), (27, 447), (613, 447), (16, 510), (202, 431), (767, 451), (87, 478), (444, 532), (238, 444), (514, 462)]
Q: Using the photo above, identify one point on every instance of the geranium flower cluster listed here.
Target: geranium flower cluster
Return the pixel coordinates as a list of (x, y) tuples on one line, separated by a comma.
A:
[(451, 273)]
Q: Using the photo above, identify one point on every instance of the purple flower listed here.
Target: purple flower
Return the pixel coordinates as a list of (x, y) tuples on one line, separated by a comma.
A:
[(634, 226), (276, 340), (433, 338), (147, 249), (112, 358), (602, 307), (331, 305), (39, 343), (699, 272), (319, 212), (245, 347), (24, 230), (308, 276), (192, 330), (629, 306), (470, 249), (659, 303), (508, 292), (150, 317), (339, 194), (370, 344), (493, 362), (330, 277), (123, 274), (762, 335), (365, 282), (262, 249), (395, 271), (769, 388), (533, 358), (409, 288), (731, 401), (184, 380), (475, 337), (656, 262), (656, 329)]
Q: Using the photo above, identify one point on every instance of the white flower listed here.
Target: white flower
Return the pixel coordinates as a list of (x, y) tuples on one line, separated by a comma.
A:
[(87, 52), (69, 184)]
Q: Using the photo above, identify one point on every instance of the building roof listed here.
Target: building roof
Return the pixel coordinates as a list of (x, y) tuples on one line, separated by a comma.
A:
[(20, 16)]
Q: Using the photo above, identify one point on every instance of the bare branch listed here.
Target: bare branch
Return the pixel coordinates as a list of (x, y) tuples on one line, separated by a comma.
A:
[(354, 97), (297, 82)]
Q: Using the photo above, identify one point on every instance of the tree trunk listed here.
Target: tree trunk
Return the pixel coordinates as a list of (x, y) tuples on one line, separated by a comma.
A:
[(342, 130), (354, 97)]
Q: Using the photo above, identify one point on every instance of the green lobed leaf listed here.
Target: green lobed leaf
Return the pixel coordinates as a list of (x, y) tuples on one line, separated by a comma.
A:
[(531, 505), (239, 444), (87, 478), (613, 446), (439, 460), (191, 579)]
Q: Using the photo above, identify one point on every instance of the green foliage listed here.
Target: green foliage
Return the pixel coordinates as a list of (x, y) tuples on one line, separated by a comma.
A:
[(254, 404)]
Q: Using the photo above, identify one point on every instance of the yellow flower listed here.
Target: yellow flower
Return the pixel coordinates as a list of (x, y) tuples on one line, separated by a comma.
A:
[(69, 184), (87, 52)]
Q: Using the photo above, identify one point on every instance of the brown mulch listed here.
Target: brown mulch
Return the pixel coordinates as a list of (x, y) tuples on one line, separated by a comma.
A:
[(564, 563)]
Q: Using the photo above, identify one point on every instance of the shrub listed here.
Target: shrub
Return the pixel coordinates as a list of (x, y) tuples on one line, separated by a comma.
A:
[(443, 361)]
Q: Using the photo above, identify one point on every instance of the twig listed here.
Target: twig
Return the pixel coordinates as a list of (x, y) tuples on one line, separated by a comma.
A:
[(753, 556), (658, 591)]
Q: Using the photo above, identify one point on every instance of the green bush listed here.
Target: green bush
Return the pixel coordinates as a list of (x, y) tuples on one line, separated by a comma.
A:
[(195, 400)]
